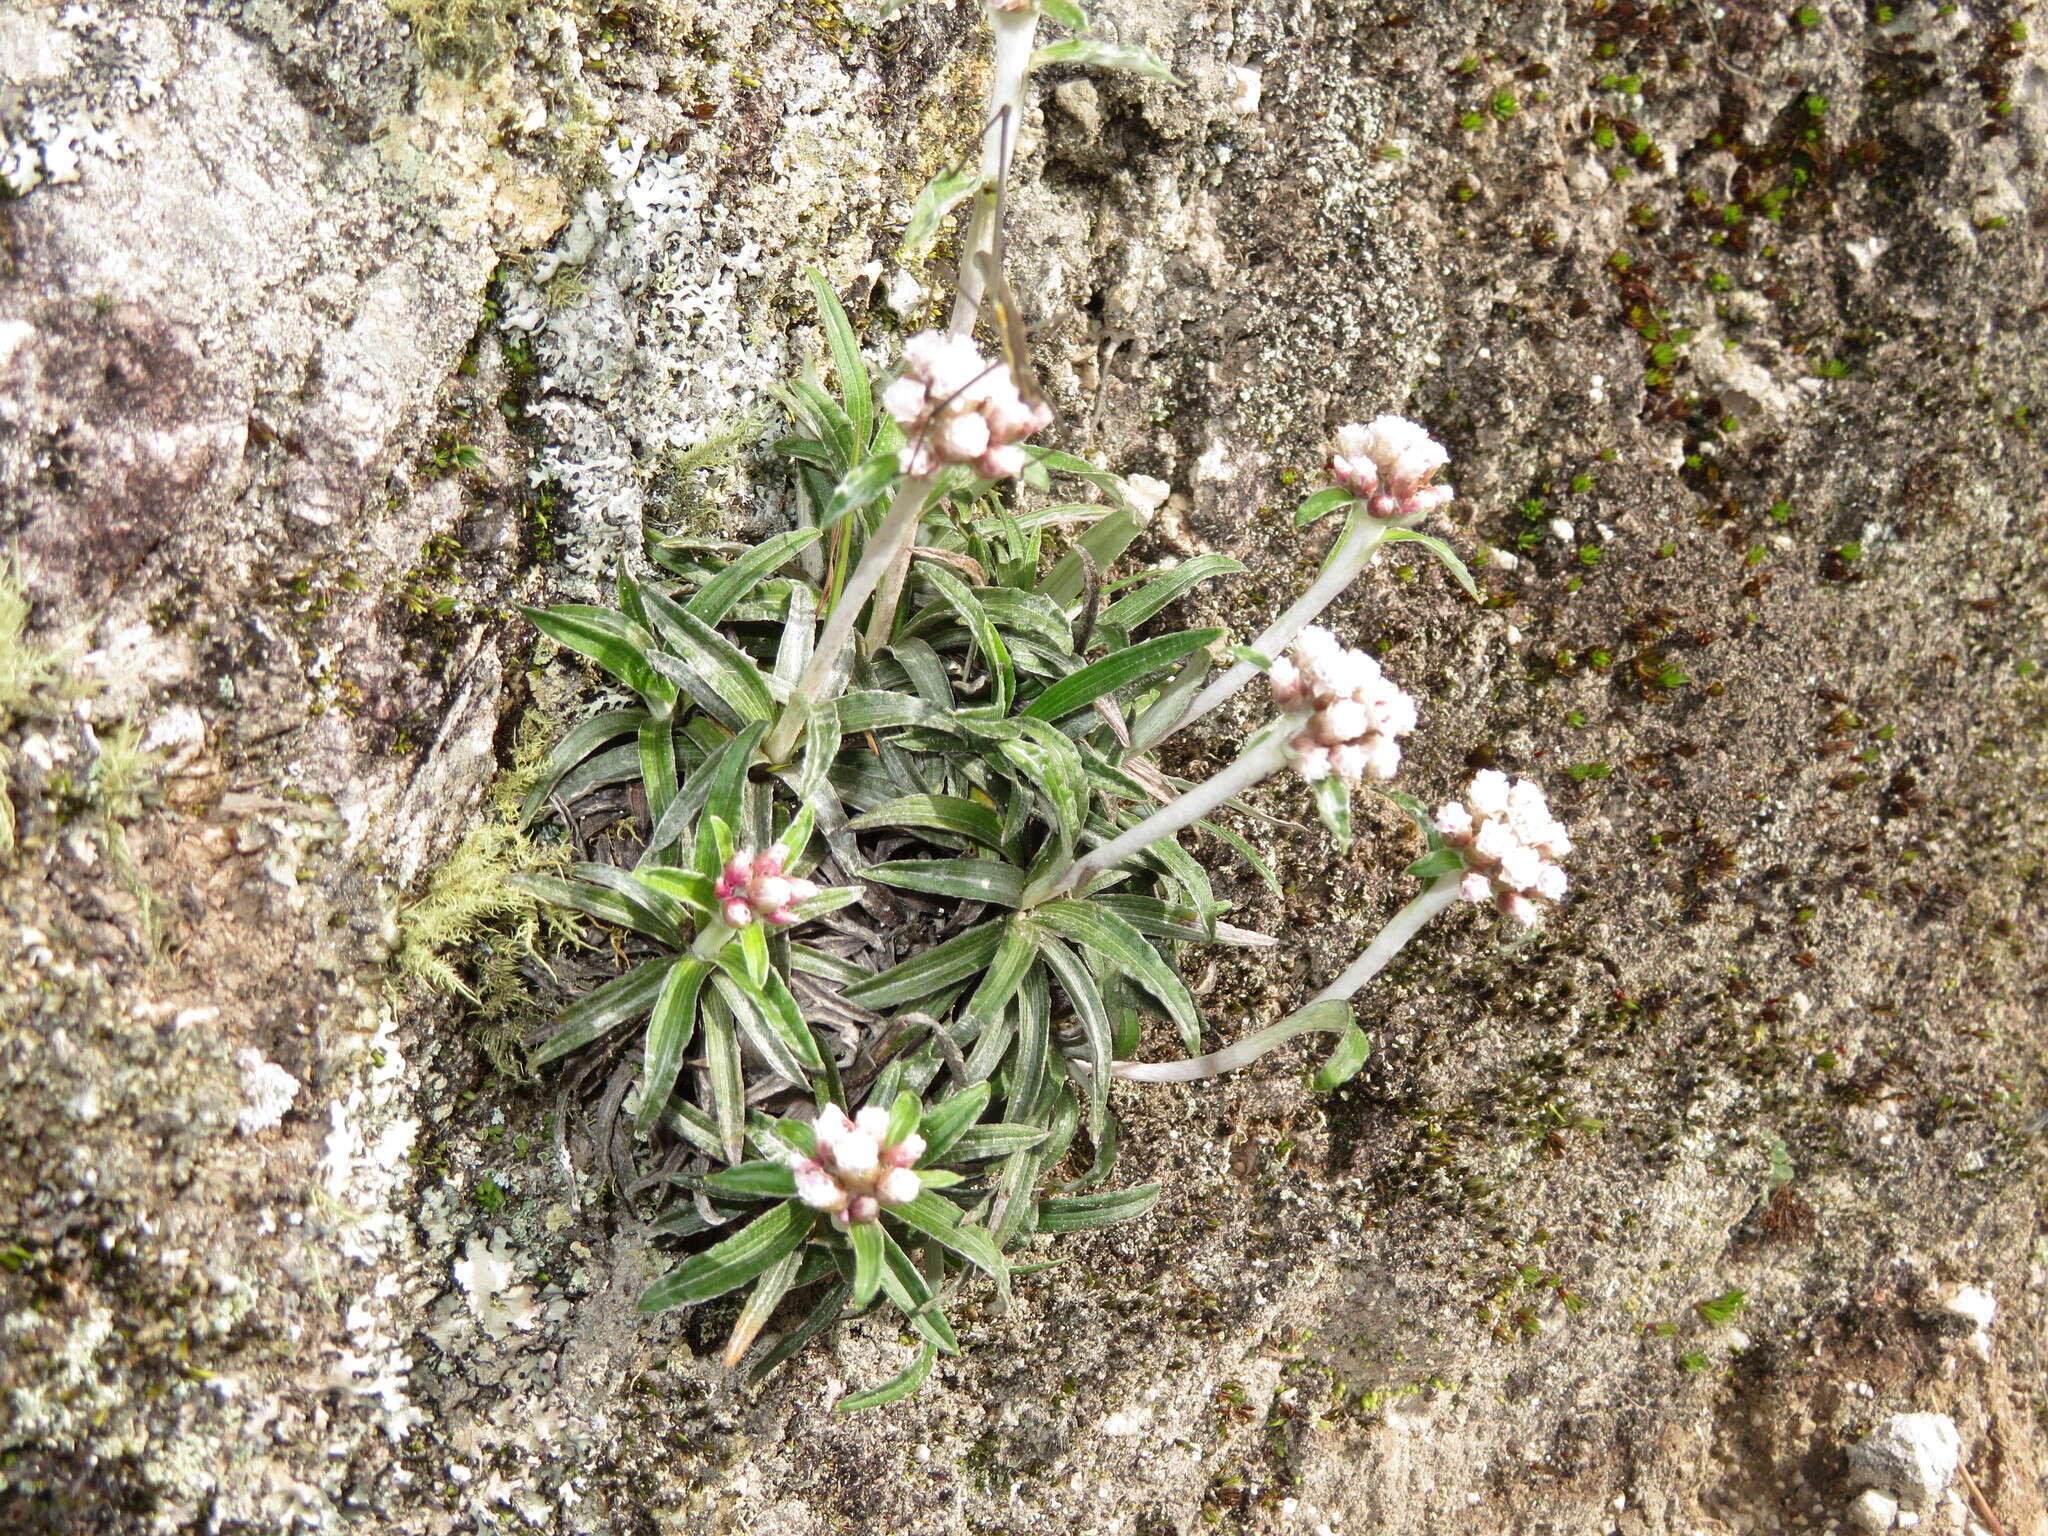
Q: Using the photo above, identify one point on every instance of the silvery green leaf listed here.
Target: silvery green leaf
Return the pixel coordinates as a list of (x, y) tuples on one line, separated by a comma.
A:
[(1079, 1212), (732, 1263), (947, 1121), (1108, 935), (963, 879), (932, 971), (941, 195), (1333, 804), (572, 749), (618, 1001), (895, 1389), (938, 813), (1115, 672), (668, 1037), (615, 643), (718, 595), (1158, 590), (1441, 550), (1101, 55), (847, 362)]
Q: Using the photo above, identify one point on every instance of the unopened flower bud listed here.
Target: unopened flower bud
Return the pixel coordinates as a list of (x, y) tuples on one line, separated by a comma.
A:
[(856, 1153), (963, 437), (905, 1152), (899, 1186), (1390, 464), (874, 1120), (816, 1187), (738, 912), (905, 400)]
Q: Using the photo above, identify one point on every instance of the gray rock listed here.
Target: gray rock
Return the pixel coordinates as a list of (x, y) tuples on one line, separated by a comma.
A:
[(1912, 1456)]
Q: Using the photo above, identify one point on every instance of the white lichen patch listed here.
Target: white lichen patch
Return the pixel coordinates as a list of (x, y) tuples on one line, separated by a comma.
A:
[(268, 1091), (664, 309), (487, 1276)]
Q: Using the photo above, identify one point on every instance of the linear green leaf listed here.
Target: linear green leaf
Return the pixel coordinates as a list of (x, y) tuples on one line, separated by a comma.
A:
[(732, 1263), (618, 1001), (865, 1237), (895, 1389), (761, 1180), (996, 1139), (1079, 1212), (728, 1085), (614, 642), (995, 655), (718, 595), (1116, 671), (728, 669), (847, 362), (913, 1296), (963, 879), (815, 1322), (941, 966), (937, 813), (579, 743), (941, 195), (668, 1035), (1441, 550), (1346, 1057), (862, 485), (773, 1025), (1108, 935), (1164, 588), (1052, 764), (1093, 1018), (947, 1121), (1101, 55), (939, 1220), (1321, 505)]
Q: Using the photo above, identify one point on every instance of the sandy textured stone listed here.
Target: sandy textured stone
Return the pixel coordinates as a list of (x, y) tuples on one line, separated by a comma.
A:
[(274, 264)]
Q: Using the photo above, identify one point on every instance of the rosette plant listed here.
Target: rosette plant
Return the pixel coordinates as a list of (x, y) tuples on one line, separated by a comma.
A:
[(893, 875)]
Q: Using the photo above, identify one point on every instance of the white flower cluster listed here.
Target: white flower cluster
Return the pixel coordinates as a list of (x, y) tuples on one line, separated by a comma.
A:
[(1390, 464), (855, 1172), (1356, 711), (956, 407), (1510, 842)]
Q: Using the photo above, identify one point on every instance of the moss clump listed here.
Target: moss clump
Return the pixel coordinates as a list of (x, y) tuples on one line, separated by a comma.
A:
[(461, 36), (31, 679), (471, 930)]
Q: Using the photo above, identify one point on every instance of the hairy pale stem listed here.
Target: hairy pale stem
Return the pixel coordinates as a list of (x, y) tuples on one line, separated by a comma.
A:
[(1401, 927), (1264, 756), (1016, 34), (1354, 550), (821, 674)]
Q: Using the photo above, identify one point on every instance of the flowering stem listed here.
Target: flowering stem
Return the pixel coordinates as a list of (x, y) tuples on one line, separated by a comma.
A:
[(1350, 556), (1402, 927), (821, 677), (1265, 755), (1016, 33), (712, 938)]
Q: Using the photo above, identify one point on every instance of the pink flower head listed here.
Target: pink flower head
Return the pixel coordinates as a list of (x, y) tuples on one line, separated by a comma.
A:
[(1355, 710), (1510, 841), (1390, 464), (857, 1171), (957, 407), (753, 885)]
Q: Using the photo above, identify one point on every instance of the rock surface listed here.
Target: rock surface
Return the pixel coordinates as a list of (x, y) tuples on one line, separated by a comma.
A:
[(331, 328)]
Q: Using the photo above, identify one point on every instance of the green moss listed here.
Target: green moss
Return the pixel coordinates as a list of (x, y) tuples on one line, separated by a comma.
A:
[(470, 930)]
